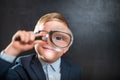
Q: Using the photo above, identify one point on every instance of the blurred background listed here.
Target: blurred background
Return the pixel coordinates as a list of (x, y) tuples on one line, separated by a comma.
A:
[(94, 23)]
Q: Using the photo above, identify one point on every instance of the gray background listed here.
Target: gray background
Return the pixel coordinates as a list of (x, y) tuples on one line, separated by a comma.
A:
[(94, 23)]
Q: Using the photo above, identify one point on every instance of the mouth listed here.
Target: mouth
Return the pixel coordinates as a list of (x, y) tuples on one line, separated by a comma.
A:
[(47, 48)]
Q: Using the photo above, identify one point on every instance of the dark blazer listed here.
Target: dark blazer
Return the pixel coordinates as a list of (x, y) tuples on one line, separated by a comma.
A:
[(29, 68), (4, 67)]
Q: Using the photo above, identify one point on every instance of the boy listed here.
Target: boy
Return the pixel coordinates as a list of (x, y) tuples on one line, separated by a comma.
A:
[(51, 39)]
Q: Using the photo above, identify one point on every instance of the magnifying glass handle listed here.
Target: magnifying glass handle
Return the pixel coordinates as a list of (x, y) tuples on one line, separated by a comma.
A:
[(36, 38)]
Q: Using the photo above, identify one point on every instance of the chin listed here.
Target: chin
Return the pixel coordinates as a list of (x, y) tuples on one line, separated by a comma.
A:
[(50, 59)]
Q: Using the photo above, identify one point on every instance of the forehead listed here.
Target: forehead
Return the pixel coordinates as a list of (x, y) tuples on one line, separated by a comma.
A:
[(54, 26)]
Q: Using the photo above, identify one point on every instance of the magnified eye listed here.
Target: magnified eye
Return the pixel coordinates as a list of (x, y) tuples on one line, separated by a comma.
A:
[(58, 38)]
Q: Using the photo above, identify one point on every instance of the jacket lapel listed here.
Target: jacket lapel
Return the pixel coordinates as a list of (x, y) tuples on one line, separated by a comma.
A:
[(38, 70), (65, 70)]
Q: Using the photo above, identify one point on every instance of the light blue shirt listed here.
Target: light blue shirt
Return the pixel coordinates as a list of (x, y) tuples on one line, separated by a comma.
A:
[(7, 57), (52, 71)]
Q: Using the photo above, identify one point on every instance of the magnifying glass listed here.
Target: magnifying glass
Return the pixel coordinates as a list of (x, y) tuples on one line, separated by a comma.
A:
[(58, 39)]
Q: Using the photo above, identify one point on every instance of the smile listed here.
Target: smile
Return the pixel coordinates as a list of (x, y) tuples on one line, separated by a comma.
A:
[(47, 48)]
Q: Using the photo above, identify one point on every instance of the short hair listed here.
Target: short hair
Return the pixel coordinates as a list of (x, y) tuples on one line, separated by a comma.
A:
[(52, 17)]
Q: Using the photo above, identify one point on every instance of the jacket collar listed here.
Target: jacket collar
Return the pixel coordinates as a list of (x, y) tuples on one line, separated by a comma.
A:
[(37, 68), (33, 67)]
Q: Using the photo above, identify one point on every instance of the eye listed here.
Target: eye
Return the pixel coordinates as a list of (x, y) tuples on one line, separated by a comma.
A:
[(58, 38)]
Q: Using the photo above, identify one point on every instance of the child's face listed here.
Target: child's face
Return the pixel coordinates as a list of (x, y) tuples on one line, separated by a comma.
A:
[(47, 51)]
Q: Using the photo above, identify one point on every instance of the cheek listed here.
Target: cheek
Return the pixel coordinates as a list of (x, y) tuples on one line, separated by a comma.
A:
[(38, 48), (62, 52), (65, 50)]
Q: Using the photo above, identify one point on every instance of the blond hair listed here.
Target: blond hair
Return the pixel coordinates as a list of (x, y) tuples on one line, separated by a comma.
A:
[(52, 17)]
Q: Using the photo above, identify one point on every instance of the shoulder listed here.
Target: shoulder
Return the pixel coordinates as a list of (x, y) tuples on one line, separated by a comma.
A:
[(19, 70), (4, 66), (23, 61), (11, 70), (73, 69), (70, 64), (24, 58)]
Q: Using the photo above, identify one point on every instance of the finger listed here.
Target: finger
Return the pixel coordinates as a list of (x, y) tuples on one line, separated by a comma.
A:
[(19, 34), (23, 36), (32, 36), (37, 35), (39, 42)]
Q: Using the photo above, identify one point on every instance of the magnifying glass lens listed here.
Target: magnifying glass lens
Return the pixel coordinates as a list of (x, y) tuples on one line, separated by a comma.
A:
[(60, 39)]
